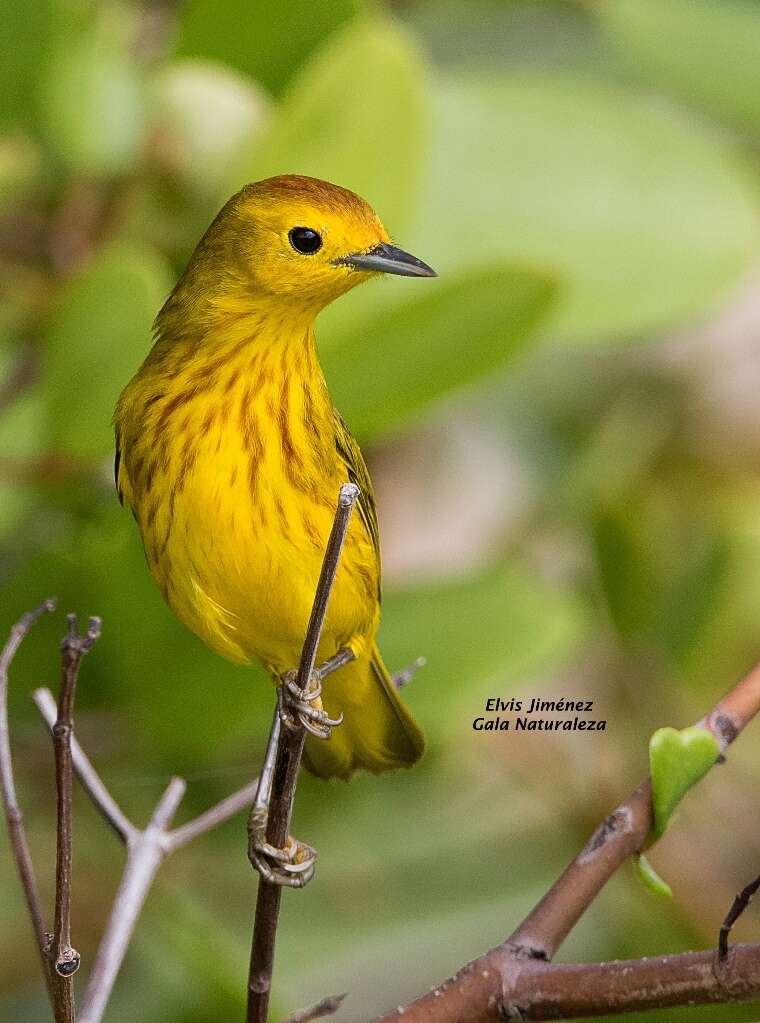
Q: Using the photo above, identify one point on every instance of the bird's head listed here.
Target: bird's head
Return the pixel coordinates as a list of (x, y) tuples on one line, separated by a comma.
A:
[(296, 237)]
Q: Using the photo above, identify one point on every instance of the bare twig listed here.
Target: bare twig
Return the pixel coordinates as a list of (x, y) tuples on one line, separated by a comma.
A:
[(402, 678), (481, 990), (325, 1007), (16, 830), (288, 760), (740, 903), (146, 850), (64, 958)]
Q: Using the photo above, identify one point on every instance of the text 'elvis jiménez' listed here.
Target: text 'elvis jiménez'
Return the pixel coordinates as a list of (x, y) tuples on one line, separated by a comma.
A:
[(528, 721)]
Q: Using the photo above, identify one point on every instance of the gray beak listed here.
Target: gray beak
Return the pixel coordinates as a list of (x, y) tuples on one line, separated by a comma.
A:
[(389, 260)]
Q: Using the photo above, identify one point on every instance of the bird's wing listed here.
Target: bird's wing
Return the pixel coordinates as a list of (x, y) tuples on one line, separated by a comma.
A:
[(352, 458)]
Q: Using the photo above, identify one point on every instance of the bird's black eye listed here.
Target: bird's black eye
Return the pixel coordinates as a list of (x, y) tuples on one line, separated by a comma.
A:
[(305, 240)]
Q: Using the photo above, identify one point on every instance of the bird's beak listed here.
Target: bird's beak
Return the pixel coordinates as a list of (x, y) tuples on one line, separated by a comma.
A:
[(387, 259)]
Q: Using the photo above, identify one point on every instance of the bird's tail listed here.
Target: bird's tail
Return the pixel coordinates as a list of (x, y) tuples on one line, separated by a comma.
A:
[(378, 733)]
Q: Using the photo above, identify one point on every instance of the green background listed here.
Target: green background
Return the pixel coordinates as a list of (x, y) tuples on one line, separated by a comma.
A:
[(563, 430)]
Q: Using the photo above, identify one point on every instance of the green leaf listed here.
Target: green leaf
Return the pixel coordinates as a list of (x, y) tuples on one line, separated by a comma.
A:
[(706, 51), (677, 760), (21, 435), (648, 217), (26, 29), (651, 879), (628, 571), (97, 337), (263, 39), (353, 115), (386, 369), (91, 96)]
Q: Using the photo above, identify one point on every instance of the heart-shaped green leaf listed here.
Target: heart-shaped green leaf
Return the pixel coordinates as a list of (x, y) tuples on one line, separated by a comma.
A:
[(677, 761), (651, 879)]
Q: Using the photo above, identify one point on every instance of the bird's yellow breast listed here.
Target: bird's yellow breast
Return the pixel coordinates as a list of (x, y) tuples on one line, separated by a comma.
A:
[(229, 462)]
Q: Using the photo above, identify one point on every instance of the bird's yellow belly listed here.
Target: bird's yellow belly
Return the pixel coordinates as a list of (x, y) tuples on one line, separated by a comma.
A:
[(239, 565)]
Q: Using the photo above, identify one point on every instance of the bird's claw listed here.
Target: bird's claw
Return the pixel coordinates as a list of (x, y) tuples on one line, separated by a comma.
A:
[(290, 867), (296, 710)]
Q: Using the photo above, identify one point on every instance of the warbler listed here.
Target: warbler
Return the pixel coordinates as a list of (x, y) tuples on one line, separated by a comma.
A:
[(230, 454)]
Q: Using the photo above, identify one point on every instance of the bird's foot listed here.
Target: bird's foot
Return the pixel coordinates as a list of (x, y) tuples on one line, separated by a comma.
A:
[(291, 867), (297, 708)]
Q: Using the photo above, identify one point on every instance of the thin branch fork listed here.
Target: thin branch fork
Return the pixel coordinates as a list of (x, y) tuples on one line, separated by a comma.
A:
[(740, 903), (515, 980), (146, 849)]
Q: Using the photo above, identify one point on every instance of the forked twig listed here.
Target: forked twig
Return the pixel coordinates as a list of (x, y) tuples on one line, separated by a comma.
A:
[(740, 903), (146, 851), (290, 745), (324, 1007)]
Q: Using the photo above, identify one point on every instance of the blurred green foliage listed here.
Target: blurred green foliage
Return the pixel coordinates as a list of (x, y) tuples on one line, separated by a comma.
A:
[(585, 177)]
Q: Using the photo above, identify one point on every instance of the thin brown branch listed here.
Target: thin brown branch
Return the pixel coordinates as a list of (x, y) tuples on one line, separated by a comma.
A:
[(13, 815), (64, 958), (738, 906), (600, 989), (477, 992), (287, 762), (326, 1007)]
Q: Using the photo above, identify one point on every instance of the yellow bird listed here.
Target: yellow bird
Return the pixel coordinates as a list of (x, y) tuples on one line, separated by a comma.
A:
[(230, 455)]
